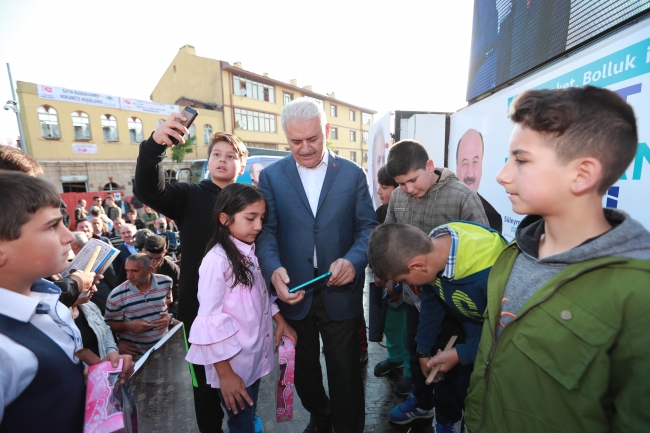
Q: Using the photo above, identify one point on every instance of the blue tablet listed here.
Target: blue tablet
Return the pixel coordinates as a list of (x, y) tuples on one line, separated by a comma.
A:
[(312, 283)]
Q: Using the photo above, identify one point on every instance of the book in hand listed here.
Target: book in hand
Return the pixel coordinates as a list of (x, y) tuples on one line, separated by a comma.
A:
[(102, 261), (110, 405)]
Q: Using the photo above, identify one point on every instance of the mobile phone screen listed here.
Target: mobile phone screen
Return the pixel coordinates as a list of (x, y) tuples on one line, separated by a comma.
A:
[(190, 114), (312, 283)]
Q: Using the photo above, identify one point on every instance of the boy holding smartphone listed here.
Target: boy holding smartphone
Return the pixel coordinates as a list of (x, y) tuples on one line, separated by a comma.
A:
[(191, 206)]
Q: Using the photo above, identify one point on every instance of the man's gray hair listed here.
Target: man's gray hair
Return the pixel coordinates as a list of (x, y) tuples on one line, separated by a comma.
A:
[(80, 238), (302, 110), (145, 260)]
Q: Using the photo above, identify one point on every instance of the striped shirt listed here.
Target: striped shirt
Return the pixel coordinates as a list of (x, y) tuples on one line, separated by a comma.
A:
[(450, 268), (126, 302)]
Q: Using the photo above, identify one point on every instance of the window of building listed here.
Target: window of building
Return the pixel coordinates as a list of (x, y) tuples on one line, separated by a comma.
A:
[(74, 186), (252, 89), (135, 129), (364, 156), (353, 135), (261, 145), (334, 133), (364, 137), (353, 115), (288, 97), (49, 121), (111, 186), (333, 110), (81, 125), (170, 176), (109, 127), (254, 120), (353, 156), (207, 132), (192, 132), (316, 100), (366, 118)]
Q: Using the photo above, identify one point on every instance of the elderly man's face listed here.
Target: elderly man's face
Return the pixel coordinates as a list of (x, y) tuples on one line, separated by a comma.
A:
[(86, 227), (307, 141), (127, 233), (117, 224), (97, 225), (469, 165), (136, 274)]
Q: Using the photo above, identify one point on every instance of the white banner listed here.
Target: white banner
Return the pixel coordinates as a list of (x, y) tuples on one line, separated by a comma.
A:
[(147, 106), (620, 63), (378, 143), (84, 149), (70, 95)]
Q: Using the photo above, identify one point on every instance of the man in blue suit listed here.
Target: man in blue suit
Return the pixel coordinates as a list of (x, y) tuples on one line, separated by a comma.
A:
[(319, 219)]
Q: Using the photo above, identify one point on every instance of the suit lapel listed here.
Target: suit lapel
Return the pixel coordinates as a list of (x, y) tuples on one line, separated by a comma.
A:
[(292, 173), (332, 169)]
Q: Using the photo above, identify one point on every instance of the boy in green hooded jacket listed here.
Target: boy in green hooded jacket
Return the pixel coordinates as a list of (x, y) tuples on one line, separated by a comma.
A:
[(565, 345)]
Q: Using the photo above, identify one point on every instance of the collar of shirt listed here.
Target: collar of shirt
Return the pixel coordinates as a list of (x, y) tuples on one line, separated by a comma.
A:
[(325, 160), (243, 247), (152, 286), (17, 306), (450, 267)]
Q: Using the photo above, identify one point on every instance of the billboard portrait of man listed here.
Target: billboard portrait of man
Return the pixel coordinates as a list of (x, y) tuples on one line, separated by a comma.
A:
[(469, 159), (469, 168)]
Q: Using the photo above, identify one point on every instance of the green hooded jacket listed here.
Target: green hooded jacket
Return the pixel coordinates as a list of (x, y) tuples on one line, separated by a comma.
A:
[(576, 358)]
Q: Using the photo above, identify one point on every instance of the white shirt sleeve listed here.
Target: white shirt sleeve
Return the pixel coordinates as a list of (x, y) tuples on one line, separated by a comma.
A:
[(18, 366)]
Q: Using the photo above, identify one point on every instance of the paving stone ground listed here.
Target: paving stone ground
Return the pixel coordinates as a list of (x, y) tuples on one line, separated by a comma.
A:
[(164, 395)]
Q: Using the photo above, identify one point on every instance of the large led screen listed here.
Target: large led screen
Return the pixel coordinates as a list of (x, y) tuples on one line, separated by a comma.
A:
[(511, 37)]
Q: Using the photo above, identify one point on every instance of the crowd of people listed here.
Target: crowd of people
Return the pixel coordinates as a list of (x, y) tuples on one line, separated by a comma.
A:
[(545, 333)]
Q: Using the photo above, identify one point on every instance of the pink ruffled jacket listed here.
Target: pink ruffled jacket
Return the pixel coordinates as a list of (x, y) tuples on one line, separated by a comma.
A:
[(233, 324)]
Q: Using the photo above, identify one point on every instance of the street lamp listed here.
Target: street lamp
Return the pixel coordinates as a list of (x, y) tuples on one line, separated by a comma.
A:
[(13, 106)]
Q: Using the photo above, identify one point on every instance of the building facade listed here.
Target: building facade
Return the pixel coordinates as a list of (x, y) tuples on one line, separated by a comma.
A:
[(252, 103), (87, 141)]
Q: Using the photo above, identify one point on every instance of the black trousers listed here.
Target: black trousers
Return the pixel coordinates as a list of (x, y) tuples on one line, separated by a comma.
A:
[(207, 404), (450, 393), (346, 405)]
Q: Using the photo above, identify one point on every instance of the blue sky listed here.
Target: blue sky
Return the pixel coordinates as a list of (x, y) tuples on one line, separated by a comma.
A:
[(400, 55)]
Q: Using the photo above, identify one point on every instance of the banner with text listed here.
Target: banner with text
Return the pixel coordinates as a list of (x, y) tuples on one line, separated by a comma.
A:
[(70, 95), (147, 106), (620, 63)]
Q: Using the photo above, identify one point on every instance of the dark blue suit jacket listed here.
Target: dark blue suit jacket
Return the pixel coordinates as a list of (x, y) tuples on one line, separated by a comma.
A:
[(344, 219), (120, 260)]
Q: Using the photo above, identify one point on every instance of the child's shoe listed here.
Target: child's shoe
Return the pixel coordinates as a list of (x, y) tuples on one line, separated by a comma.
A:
[(259, 425), (407, 411), (445, 428), (404, 386)]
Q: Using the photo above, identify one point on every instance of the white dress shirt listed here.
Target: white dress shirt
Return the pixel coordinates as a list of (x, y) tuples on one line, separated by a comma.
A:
[(18, 365), (312, 180)]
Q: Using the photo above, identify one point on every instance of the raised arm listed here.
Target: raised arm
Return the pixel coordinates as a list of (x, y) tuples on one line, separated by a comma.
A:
[(150, 187)]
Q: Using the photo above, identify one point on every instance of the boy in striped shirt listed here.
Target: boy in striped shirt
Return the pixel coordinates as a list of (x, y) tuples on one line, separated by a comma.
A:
[(136, 309)]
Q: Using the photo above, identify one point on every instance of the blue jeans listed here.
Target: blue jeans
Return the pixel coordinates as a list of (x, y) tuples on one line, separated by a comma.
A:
[(242, 422)]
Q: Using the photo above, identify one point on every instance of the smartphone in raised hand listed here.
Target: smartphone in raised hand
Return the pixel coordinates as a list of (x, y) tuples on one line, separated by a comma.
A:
[(190, 114)]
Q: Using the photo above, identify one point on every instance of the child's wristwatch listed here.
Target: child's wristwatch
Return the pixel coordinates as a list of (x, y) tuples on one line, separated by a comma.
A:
[(423, 355)]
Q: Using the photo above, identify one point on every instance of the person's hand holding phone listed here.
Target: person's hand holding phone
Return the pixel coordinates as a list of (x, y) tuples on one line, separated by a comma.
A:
[(171, 128), (342, 273), (280, 279)]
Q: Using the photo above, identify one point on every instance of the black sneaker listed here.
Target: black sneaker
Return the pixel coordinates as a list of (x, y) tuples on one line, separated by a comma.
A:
[(385, 367), (404, 386)]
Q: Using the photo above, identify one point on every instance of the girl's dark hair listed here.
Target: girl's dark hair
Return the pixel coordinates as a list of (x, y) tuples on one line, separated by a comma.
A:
[(231, 200)]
